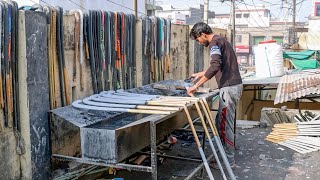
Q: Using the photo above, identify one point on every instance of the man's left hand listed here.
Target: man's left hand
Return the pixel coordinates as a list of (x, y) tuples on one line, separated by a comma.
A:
[(192, 90)]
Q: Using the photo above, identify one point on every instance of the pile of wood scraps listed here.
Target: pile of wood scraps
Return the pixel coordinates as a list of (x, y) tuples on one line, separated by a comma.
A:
[(276, 116), (307, 116), (273, 116), (303, 137), (84, 171)]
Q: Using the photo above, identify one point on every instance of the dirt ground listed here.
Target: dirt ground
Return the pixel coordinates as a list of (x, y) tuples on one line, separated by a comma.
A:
[(255, 159)]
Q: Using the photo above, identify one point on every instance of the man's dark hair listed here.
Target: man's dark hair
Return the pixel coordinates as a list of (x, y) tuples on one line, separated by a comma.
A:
[(198, 28)]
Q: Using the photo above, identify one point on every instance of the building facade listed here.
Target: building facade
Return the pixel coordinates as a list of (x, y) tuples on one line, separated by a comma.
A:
[(316, 8), (253, 25), (191, 15)]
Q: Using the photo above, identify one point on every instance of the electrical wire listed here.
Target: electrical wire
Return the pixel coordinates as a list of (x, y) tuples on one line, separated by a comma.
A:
[(126, 7), (259, 14), (273, 4), (252, 18), (87, 9), (77, 4), (41, 1)]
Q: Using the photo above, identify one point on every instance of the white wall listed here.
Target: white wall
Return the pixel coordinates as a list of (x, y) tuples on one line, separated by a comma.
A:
[(222, 23), (26, 2), (92, 5), (255, 19), (176, 18), (164, 14)]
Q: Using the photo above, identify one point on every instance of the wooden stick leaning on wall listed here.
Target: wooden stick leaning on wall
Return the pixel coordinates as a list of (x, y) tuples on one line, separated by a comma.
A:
[(65, 74), (1, 64), (60, 54), (54, 63), (50, 56), (7, 63), (76, 42)]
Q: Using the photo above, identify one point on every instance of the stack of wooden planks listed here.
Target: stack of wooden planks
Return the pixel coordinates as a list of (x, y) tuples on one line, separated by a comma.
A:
[(303, 137)]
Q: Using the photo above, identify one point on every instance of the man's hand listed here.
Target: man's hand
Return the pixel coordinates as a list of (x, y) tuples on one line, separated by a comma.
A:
[(200, 78), (197, 76), (192, 90)]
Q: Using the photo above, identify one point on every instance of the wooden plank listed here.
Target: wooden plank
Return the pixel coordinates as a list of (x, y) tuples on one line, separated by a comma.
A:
[(179, 43), (245, 105), (138, 53), (198, 57), (191, 55)]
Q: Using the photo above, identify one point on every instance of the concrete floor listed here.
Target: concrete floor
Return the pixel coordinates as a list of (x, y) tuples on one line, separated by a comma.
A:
[(255, 159)]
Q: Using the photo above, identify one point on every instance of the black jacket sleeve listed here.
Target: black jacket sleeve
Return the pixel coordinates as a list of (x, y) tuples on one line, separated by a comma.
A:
[(215, 63)]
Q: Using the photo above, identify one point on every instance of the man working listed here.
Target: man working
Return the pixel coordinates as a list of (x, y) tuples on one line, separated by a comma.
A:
[(224, 67)]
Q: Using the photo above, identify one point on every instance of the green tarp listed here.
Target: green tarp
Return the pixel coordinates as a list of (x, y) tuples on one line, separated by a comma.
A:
[(299, 55), (305, 64), (301, 60)]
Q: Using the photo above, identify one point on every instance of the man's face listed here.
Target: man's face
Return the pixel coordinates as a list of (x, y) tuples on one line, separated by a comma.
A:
[(202, 40)]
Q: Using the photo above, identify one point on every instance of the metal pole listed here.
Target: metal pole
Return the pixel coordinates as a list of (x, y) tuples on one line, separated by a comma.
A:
[(211, 122), (203, 145), (205, 162), (233, 24), (209, 139), (135, 8), (205, 11), (153, 145), (293, 37)]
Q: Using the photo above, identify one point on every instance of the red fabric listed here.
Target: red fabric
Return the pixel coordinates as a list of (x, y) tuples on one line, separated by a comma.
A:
[(268, 41), (223, 124), (229, 142), (223, 127)]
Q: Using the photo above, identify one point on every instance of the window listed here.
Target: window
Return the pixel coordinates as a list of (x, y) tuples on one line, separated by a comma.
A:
[(247, 15), (317, 9), (243, 59), (238, 15), (279, 39), (238, 38), (257, 39)]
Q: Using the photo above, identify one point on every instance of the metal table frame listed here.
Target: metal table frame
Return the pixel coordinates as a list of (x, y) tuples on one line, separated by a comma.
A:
[(153, 169), (262, 83), (154, 157)]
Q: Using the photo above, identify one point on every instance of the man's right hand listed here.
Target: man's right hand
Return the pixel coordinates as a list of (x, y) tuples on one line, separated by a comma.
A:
[(197, 76)]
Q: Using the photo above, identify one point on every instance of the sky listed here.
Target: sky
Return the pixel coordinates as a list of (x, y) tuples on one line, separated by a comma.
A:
[(303, 8)]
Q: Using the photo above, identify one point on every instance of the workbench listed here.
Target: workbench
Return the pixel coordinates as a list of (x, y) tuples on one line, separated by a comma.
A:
[(109, 138)]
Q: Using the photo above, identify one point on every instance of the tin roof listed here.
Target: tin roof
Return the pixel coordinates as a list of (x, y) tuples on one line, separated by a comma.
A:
[(296, 86)]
